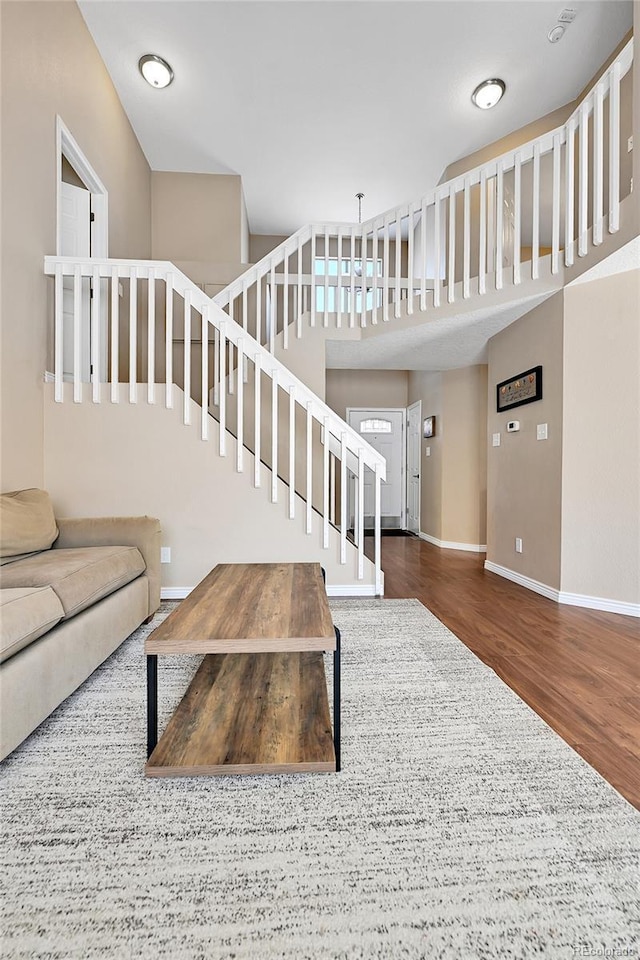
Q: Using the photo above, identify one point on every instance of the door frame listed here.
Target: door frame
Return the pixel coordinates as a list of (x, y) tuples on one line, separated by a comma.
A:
[(418, 404), (67, 146), (403, 453)]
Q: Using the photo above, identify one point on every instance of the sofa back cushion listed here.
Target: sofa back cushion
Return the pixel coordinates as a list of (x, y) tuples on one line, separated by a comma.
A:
[(27, 523)]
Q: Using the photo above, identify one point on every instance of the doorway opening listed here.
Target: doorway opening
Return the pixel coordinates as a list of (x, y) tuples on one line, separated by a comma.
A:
[(82, 231), (74, 169), (384, 429)]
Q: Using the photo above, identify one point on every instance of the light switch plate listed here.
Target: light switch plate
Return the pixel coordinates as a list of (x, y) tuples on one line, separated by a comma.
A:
[(542, 431), (496, 439), (427, 451), (165, 554)]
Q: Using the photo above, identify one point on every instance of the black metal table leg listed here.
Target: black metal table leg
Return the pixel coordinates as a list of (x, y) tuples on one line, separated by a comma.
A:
[(336, 699), (152, 702)]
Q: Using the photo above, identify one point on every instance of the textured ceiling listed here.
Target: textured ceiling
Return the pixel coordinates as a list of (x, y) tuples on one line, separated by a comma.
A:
[(445, 344), (624, 259), (311, 102)]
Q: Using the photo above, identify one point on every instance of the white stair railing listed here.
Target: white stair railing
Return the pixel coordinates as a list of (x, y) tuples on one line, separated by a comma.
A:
[(116, 337), (483, 229)]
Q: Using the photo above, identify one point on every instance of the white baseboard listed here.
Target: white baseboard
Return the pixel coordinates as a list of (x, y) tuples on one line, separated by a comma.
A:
[(452, 545), (335, 590), (542, 588), (351, 590), (600, 603), (175, 593), (562, 596)]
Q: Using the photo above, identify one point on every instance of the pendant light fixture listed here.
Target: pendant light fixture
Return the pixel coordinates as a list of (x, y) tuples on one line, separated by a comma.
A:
[(358, 267)]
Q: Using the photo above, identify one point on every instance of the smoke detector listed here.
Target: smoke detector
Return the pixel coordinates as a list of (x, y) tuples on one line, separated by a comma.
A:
[(567, 16)]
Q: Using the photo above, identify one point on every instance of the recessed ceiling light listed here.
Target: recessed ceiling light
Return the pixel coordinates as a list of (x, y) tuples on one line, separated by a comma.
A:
[(488, 93), (155, 70)]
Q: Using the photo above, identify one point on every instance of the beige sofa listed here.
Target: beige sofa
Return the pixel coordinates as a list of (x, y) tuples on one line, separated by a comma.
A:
[(70, 592)]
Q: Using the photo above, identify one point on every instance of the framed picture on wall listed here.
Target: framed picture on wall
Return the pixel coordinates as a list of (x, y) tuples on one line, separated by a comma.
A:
[(429, 427), (524, 388)]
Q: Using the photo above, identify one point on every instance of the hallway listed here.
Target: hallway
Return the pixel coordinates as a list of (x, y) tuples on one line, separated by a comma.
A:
[(578, 669)]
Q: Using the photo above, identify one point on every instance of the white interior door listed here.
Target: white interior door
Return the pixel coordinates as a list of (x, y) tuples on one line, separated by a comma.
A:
[(75, 239), (384, 430), (414, 422)]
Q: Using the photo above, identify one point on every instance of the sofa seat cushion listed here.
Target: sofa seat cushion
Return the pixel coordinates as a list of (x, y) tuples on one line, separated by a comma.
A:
[(25, 614), (80, 576)]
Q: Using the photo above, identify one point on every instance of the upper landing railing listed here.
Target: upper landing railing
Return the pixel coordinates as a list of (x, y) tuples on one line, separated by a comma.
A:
[(486, 228)]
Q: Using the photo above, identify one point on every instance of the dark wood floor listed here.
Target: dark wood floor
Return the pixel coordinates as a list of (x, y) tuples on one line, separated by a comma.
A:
[(578, 669)]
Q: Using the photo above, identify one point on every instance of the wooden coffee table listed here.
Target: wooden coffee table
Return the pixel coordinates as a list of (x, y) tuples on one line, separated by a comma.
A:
[(258, 703)]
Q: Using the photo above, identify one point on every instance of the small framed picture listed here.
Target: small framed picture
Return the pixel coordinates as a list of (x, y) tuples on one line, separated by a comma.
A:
[(429, 427), (525, 388)]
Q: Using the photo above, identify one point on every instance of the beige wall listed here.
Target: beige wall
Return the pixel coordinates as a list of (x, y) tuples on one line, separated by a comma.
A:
[(69, 175), (46, 48), (196, 216), (524, 475), (514, 139), (427, 387), (454, 475), (601, 441), (209, 512), (262, 244), (244, 229), (366, 388), (464, 454)]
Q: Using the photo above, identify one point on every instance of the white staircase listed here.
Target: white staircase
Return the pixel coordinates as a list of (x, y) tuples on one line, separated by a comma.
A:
[(509, 224)]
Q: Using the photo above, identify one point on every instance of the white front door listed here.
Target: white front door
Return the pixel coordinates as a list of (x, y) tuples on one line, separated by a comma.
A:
[(414, 417), (384, 430), (75, 239)]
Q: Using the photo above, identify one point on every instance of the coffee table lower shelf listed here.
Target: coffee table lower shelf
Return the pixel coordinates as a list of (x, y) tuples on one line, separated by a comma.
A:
[(250, 713)]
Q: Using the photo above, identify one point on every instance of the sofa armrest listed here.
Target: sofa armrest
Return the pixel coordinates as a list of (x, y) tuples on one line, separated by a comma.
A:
[(141, 532)]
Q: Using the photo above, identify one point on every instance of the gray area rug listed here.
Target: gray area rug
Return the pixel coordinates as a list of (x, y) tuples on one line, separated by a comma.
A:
[(460, 827)]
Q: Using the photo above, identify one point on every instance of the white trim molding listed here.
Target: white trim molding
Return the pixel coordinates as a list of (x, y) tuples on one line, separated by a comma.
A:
[(542, 588), (352, 590), (600, 603), (67, 146), (562, 596), (175, 593), (335, 590), (452, 545)]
